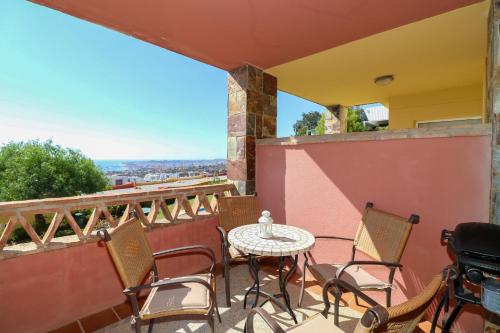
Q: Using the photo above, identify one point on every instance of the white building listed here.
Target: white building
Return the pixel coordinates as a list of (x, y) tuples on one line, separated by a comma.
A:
[(375, 115), (157, 177), (152, 177), (120, 180)]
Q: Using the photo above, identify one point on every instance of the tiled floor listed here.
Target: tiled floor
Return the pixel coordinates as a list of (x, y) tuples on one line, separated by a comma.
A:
[(117, 318)]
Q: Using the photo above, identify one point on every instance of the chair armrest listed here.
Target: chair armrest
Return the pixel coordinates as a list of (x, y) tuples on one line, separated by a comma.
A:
[(223, 235), (191, 248), (170, 282), (375, 317), (334, 237), (339, 285), (365, 262), (266, 317)]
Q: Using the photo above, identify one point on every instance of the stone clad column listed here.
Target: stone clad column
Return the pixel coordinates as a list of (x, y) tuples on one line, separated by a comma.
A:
[(336, 119), (492, 105), (492, 115), (251, 115)]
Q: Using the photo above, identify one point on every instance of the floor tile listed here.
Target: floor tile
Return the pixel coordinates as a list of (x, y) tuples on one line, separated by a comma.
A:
[(70, 328), (98, 320), (123, 310)]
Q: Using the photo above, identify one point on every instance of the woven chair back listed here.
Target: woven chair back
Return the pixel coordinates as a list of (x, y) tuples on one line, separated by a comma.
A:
[(237, 211), (382, 235), (404, 318), (130, 251)]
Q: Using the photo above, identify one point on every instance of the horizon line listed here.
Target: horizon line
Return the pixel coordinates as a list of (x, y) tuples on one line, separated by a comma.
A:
[(164, 159)]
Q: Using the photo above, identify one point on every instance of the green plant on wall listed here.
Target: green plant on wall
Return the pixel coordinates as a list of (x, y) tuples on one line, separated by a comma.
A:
[(309, 122), (354, 121), (321, 127)]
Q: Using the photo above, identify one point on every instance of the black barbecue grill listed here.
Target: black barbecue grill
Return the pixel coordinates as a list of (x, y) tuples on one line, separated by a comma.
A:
[(476, 248)]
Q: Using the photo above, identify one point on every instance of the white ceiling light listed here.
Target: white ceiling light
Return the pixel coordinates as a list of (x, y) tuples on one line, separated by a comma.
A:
[(383, 80)]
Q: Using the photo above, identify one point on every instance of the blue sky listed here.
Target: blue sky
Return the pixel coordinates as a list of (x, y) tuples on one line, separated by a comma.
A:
[(110, 95)]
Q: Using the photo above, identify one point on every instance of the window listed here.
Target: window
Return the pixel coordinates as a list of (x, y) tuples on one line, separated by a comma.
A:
[(448, 122)]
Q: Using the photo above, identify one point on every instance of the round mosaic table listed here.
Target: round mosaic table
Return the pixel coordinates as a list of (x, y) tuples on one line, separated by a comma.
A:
[(287, 242)]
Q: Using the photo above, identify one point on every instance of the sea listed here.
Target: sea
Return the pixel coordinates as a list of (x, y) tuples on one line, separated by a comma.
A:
[(113, 165)]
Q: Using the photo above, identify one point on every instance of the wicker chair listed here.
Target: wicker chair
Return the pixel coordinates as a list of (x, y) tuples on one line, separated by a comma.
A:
[(234, 211), (382, 236), (402, 318), (188, 295)]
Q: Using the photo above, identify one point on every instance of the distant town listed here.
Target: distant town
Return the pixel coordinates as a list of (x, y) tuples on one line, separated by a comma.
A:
[(129, 172)]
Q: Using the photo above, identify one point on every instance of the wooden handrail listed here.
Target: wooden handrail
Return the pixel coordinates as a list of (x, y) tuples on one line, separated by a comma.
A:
[(18, 212), (9, 207)]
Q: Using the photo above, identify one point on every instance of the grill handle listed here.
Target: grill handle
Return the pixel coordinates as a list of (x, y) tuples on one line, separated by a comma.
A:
[(446, 235)]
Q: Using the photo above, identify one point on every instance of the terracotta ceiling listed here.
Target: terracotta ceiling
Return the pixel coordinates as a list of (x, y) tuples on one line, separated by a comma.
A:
[(264, 33)]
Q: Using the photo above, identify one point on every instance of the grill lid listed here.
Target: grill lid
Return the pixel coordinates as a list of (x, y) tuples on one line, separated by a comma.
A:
[(477, 245), (477, 239)]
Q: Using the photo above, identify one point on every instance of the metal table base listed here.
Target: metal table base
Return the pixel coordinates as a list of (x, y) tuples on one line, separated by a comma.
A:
[(254, 266)]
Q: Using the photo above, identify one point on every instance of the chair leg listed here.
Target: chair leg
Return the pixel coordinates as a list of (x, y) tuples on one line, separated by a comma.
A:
[(388, 296), (326, 310), (211, 323), (217, 308), (135, 318), (137, 324), (223, 251), (356, 300), (337, 308), (301, 296), (151, 323), (227, 284)]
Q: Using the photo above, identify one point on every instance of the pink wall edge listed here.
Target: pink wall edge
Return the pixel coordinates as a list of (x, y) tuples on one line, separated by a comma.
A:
[(44, 291), (323, 188)]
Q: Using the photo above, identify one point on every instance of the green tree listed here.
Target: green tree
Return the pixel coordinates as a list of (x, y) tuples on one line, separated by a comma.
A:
[(321, 127), (354, 121), (37, 170), (308, 122)]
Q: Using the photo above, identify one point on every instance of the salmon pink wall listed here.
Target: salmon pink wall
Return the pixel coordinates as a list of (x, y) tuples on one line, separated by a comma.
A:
[(43, 291), (323, 187)]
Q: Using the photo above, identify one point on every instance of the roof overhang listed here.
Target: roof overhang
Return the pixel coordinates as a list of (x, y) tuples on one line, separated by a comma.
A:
[(229, 33), (441, 52)]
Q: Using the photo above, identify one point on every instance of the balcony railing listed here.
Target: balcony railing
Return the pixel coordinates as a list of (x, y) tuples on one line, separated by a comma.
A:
[(165, 207)]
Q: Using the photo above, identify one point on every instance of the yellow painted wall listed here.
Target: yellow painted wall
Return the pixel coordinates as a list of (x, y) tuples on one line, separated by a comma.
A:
[(461, 102), (447, 50)]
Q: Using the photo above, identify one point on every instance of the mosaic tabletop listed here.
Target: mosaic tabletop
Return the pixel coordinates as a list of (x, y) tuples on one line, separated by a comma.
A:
[(287, 240)]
